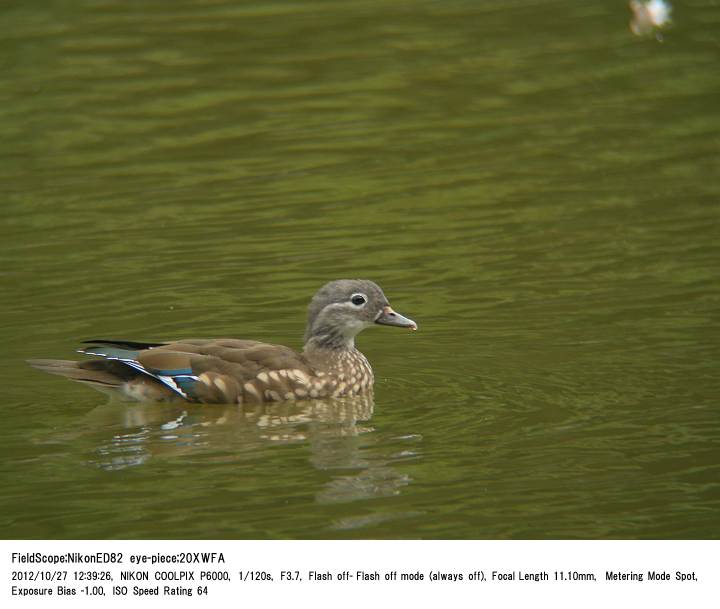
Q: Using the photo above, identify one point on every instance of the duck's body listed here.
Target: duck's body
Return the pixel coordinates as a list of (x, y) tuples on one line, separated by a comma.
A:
[(246, 371)]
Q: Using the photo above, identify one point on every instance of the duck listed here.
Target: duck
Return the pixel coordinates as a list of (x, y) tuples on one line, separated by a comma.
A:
[(239, 371)]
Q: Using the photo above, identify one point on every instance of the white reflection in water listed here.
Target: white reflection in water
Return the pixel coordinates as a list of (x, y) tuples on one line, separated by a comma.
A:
[(174, 423), (125, 450)]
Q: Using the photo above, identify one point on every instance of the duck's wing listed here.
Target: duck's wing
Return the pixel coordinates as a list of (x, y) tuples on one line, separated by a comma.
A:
[(213, 370)]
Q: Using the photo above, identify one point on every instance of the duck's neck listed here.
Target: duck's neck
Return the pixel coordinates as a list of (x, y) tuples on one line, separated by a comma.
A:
[(344, 371), (330, 339), (319, 351)]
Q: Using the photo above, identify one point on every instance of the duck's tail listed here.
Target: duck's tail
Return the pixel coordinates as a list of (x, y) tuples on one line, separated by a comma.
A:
[(104, 375), (112, 377)]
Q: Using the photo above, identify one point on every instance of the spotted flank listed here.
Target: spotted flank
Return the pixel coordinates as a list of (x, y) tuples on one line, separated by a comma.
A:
[(235, 371)]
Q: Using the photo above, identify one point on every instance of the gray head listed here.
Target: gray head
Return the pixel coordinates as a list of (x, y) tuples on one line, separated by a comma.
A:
[(342, 309)]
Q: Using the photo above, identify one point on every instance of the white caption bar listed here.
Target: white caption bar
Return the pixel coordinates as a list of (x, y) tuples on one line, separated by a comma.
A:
[(82, 574)]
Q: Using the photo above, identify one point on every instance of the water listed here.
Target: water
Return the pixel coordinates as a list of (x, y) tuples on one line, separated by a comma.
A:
[(533, 184)]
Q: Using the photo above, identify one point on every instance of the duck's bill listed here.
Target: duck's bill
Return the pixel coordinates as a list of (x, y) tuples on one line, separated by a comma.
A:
[(388, 317)]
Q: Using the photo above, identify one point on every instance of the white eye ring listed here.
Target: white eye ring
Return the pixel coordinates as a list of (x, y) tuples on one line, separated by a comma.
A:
[(358, 300)]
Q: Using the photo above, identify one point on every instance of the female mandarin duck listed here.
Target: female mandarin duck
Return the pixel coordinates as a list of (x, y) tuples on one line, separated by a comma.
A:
[(229, 370)]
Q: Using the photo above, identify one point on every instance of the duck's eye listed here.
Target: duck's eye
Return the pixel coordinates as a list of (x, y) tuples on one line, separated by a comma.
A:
[(358, 300)]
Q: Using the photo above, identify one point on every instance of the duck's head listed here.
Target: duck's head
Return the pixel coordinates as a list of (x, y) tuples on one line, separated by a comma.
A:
[(342, 309)]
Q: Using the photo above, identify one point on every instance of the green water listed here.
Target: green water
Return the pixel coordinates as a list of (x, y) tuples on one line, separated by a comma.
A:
[(538, 188)]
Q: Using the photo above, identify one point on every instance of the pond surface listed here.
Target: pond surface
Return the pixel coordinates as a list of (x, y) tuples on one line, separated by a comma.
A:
[(533, 184)]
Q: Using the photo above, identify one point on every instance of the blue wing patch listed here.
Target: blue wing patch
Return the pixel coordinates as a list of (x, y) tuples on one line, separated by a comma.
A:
[(179, 380)]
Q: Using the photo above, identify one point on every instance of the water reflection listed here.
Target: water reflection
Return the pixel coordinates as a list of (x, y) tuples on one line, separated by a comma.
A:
[(337, 432)]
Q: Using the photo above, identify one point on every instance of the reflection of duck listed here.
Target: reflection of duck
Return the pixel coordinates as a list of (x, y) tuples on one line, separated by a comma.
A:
[(329, 447), (336, 431), (170, 430), (242, 371)]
